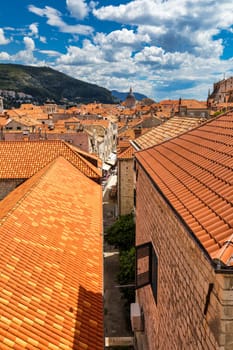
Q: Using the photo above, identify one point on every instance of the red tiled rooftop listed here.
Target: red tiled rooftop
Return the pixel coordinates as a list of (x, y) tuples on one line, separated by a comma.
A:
[(122, 146), (194, 171), (91, 157), (127, 154), (171, 128), (190, 103), (51, 262), (3, 121), (22, 159), (28, 110)]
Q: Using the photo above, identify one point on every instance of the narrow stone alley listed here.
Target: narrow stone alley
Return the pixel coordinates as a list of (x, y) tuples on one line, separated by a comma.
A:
[(117, 329)]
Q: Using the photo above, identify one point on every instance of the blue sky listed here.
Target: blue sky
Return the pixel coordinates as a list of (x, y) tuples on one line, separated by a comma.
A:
[(162, 48)]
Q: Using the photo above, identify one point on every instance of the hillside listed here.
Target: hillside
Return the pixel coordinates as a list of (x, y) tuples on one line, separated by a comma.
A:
[(44, 83)]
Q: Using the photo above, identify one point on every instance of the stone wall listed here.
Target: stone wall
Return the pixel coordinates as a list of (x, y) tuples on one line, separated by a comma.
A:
[(225, 297), (183, 317), (125, 191), (8, 185)]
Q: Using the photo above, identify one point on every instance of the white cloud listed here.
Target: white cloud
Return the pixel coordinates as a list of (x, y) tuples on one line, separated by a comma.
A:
[(118, 46), (35, 33), (205, 46), (4, 56), (135, 12), (157, 57), (151, 70), (77, 8), (175, 27), (54, 19), (53, 15), (43, 39), (29, 43), (89, 54), (34, 29), (152, 30), (76, 29), (121, 37), (3, 40), (50, 53), (27, 55)]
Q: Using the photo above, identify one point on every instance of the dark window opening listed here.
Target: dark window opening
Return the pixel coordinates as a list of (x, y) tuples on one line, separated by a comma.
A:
[(134, 197), (154, 274), (147, 267), (134, 165)]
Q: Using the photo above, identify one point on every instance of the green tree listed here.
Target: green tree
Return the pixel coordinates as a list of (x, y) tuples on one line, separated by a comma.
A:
[(126, 274), (122, 233)]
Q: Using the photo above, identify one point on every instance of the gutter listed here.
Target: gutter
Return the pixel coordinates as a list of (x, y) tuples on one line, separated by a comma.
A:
[(135, 146)]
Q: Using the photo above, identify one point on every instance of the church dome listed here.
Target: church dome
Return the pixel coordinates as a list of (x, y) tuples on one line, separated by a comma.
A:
[(130, 100)]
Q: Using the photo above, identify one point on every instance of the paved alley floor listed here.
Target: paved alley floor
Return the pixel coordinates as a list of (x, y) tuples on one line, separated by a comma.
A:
[(115, 322)]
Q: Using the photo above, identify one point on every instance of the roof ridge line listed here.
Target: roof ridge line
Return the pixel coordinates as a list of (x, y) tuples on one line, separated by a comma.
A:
[(38, 176), (90, 165)]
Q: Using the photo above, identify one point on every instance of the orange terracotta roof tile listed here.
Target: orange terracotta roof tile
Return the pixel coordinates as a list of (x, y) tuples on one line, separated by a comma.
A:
[(69, 120), (167, 130), (28, 110), (3, 121), (122, 146), (86, 155), (22, 159), (126, 154), (51, 285), (194, 171), (127, 134), (24, 120), (101, 122), (121, 125), (190, 103)]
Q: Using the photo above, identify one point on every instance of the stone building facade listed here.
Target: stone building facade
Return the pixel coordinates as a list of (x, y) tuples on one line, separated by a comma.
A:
[(125, 190), (8, 185), (222, 92), (182, 316), (184, 235)]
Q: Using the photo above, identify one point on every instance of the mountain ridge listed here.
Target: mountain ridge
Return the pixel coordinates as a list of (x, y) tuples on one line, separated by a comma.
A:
[(45, 83)]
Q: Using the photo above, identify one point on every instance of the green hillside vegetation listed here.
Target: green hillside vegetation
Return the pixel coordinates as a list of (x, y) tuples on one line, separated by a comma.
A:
[(44, 83)]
